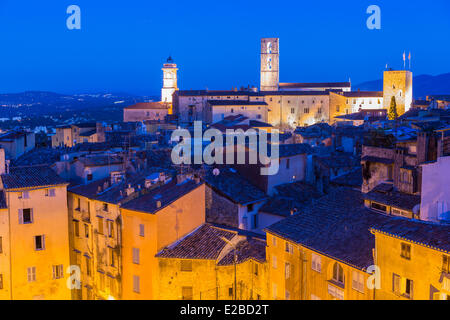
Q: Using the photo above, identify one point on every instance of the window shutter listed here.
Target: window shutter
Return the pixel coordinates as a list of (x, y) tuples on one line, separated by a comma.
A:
[(20, 216), (43, 242), (31, 215)]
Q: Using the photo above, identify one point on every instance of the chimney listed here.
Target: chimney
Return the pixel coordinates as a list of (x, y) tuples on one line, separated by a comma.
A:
[(2, 162)]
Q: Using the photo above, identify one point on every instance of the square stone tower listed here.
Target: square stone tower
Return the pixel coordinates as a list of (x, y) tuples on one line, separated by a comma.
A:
[(398, 84), (270, 57), (169, 81)]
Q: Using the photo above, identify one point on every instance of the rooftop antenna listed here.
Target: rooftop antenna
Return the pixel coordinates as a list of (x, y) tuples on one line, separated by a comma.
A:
[(409, 58)]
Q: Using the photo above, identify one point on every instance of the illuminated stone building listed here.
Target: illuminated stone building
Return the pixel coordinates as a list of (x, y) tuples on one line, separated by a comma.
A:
[(398, 84), (201, 266), (119, 223), (414, 260), (34, 237), (70, 135)]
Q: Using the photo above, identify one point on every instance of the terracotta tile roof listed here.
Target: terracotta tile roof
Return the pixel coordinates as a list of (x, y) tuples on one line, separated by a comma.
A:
[(336, 225), (246, 250), (31, 176), (351, 179), (316, 85), (2, 200), (165, 194), (148, 105), (236, 103), (426, 233), (203, 243), (385, 193), (206, 243), (363, 94), (234, 187), (377, 159), (100, 160)]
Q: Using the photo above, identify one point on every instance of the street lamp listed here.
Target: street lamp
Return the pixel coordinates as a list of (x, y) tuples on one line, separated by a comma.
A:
[(235, 263)]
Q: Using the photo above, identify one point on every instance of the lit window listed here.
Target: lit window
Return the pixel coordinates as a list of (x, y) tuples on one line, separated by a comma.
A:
[(31, 274), (316, 262), (338, 273), (358, 281), (58, 271), (136, 258), (136, 284)]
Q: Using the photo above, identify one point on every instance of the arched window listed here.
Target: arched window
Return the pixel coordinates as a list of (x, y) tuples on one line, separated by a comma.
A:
[(338, 273)]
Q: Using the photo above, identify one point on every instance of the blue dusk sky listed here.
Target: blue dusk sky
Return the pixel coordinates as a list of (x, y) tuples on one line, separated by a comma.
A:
[(122, 44)]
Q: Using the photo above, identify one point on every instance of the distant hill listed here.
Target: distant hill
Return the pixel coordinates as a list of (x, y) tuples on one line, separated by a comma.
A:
[(423, 85)]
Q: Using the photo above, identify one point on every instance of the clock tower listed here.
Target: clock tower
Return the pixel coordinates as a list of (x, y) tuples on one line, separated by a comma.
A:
[(270, 64)]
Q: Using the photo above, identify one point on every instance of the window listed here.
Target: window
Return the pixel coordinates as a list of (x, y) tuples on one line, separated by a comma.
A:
[(316, 262), (88, 265), (250, 207), (1, 245), (39, 242), (105, 207), (141, 230), (78, 204), (255, 269), (1, 281), (110, 228), (186, 265), (306, 110), (89, 177), (292, 110), (445, 262), (31, 274), (274, 241), (274, 262), (287, 270), (76, 228), (86, 231), (287, 163), (358, 281), (100, 225), (378, 206), (255, 221), (288, 295), (25, 216), (406, 251), (50, 192), (402, 286), (58, 271), (136, 284), (24, 195), (337, 108), (230, 291), (338, 273), (187, 293), (111, 257), (319, 110), (135, 255), (289, 248)]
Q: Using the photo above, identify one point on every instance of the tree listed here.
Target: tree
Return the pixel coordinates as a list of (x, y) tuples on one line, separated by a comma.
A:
[(392, 114)]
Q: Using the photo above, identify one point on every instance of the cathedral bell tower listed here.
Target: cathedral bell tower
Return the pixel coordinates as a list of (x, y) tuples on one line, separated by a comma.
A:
[(169, 81), (270, 64)]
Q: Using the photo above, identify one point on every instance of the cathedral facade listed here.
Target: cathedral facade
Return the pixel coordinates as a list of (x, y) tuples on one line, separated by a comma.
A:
[(290, 105)]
